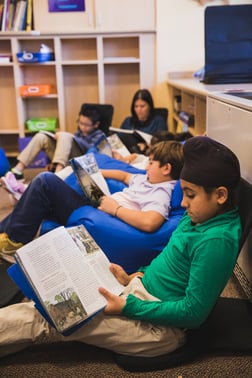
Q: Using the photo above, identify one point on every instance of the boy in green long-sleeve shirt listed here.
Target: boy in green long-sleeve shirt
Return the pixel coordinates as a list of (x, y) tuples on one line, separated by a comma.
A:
[(179, 288)]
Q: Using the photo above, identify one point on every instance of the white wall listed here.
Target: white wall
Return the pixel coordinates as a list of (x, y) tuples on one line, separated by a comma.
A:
[(180, 39)]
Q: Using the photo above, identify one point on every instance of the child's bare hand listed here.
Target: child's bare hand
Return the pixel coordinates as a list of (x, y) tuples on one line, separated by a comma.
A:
[(115, 304), (117, 155), (120, 274), (108, 205)]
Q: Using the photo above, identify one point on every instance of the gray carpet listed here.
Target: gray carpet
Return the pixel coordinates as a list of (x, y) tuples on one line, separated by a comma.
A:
[(77, 360)]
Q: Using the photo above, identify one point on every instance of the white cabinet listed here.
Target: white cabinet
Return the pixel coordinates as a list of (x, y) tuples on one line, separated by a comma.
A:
[(99, 15), (91, 67), (229, 120)]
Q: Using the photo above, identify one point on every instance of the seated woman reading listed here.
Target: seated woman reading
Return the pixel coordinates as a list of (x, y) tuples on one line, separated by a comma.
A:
[(143, 119)]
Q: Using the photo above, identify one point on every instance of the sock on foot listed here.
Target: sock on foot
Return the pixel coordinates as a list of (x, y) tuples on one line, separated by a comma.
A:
[(17, 171)]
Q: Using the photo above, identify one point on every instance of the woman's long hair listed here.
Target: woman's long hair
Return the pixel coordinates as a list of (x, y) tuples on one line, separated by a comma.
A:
[(145, 95)]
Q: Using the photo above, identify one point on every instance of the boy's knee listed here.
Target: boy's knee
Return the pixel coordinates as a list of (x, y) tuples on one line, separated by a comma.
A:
[(45, 178), (40, 137)]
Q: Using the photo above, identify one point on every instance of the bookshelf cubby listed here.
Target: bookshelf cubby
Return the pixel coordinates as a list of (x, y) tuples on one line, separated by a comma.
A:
[(93, 67), (192, 100)]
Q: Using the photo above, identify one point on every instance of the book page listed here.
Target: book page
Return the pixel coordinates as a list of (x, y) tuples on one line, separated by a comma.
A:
[(89, 163), (89, 187), (66, 267), (117, 145), (119, 130), (103, 146), (146, 137)]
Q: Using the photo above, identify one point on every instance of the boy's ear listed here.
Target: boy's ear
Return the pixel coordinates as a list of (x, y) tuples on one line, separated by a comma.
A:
[(97, 124), (222, 194), (167, 168)]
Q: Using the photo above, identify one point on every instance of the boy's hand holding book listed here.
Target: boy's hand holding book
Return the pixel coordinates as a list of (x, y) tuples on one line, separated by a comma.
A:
[(108, 205), (115, 303)]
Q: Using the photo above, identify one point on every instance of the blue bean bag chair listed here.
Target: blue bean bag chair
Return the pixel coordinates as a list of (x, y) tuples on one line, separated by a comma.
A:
[(122, 243), (4, 163)]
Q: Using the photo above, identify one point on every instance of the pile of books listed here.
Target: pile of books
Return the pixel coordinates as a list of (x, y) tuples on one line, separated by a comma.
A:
[(16, 15)]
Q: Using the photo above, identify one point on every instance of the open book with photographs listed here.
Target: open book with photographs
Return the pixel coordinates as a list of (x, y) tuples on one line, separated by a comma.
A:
[(114, 147), (61, 272), (90, 178)]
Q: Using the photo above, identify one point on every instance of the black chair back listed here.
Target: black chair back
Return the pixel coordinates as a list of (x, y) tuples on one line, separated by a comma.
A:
[(163, 112)]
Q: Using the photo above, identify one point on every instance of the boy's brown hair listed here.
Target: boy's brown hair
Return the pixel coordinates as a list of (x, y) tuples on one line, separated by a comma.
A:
[(168, 152)]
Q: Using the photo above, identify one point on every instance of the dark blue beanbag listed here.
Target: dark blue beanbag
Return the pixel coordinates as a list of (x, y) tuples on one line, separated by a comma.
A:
[(4, 163), (122, 243)]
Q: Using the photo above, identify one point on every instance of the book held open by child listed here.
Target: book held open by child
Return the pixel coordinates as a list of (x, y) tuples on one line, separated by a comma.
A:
[(63, 270), (106, 145), (90, 178)]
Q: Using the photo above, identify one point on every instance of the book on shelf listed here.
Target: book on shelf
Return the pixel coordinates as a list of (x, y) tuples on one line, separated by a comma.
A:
[(140, 136), (19, 22), (5, 15), (61, 272), (28, 24), (5, 58), (90, 178)]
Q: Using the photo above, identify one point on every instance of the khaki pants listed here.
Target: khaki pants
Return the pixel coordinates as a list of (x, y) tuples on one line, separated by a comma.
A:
[(58, 151), (21, 325)]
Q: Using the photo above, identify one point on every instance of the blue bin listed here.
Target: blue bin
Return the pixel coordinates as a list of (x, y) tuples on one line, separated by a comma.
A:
[(4, 163), (34, 57)]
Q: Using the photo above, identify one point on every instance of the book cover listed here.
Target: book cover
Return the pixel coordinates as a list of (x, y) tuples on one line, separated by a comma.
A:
[(62, 271), (90, 178), (4, 58), (5, 15), (103, 146), (28, 26), (12, 9), (20, 14)]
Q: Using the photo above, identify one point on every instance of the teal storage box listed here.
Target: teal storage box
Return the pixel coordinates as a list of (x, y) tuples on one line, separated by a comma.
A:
[(37, 124)]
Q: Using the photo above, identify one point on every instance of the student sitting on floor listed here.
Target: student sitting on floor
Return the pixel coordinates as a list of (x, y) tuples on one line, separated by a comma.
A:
[(144, 204), (181, 285), (139, 160), (62, 146)]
